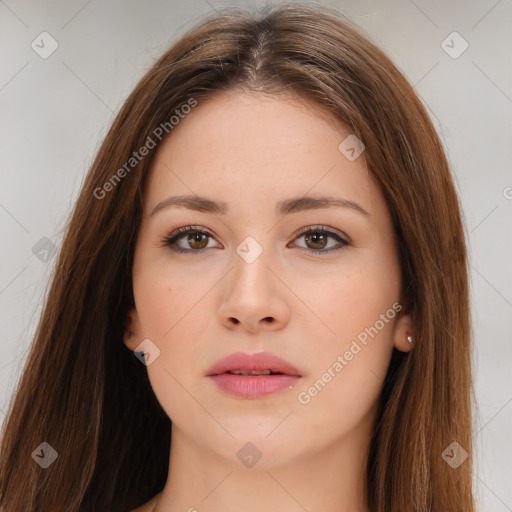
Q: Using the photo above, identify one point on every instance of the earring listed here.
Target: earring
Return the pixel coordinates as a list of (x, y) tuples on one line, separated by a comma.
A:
[(409, 338)]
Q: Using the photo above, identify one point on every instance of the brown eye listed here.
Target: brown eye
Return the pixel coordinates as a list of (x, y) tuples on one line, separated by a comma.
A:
[(194, 240), (197, 238), (317, 240), (318, 237)]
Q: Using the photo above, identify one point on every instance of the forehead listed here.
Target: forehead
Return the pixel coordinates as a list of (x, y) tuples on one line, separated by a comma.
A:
[(244, 146)]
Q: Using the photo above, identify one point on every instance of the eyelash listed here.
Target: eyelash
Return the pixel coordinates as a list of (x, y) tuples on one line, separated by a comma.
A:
[(180, 232)]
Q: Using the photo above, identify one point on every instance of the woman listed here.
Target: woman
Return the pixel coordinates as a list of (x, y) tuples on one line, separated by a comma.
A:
[(261, 300)]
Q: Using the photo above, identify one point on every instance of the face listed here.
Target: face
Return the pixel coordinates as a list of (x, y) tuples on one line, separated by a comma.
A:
[(318, 287)]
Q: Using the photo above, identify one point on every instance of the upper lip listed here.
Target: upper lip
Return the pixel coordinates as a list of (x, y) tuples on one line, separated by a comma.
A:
[(258, 361)]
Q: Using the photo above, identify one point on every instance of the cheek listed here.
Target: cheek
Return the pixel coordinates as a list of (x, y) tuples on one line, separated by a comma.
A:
[(350, 303), (171, 315), (168, 299), (174, 318), (348, 372), (352, 354)]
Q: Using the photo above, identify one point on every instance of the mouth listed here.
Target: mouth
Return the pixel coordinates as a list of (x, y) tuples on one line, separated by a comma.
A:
[(253, 375), (254, 384), (253, 365)]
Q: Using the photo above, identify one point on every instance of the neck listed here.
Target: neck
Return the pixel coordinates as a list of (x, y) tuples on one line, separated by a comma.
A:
[(329, 480)]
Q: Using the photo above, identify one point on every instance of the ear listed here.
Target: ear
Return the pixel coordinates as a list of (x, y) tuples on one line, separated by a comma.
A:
[(403, 336), (132, 337)]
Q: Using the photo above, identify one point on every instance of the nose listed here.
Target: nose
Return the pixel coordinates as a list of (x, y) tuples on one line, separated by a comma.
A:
[(255, 298)]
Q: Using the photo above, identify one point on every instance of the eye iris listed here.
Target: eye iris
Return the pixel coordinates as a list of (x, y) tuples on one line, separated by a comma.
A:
[(315, 237), (192, 238)]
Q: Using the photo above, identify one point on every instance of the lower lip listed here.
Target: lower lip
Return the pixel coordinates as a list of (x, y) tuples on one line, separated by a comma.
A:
[(256, 386)]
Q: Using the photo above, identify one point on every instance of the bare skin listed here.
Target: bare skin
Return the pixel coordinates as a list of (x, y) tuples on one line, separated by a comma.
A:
[(150, 505), (251, 152)]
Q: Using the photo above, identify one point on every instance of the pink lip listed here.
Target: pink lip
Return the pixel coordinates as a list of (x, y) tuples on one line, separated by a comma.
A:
[(257, 361), (253, 386)]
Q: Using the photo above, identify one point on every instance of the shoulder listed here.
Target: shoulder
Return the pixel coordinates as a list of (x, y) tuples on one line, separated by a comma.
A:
[(147, 507)]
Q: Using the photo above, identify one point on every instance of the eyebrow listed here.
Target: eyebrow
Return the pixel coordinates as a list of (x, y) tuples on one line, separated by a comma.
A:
[(298, 204)]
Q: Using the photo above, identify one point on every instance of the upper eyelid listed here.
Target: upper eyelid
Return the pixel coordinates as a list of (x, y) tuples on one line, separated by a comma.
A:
[(323, 228)]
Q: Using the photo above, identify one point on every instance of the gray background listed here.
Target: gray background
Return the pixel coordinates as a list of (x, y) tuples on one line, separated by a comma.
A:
[(56, 110)]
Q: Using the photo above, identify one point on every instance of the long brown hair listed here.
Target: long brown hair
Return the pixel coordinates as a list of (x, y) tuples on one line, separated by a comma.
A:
[(86, 395)]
